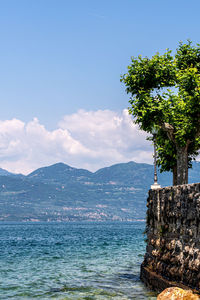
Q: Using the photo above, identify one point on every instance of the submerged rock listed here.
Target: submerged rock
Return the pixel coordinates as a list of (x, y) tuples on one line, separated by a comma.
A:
[(175, 293)]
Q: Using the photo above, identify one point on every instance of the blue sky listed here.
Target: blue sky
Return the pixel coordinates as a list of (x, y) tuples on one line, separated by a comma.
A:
[(59, 57)]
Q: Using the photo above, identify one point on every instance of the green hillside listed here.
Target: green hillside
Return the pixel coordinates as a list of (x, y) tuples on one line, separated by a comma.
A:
[(62, 193)]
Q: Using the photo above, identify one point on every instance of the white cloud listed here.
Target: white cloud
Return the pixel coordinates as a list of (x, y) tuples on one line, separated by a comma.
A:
[(111, 136), (85, 139)]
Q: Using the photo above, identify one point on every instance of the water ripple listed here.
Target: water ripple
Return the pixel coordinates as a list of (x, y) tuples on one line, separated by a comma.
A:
[(72, 261)]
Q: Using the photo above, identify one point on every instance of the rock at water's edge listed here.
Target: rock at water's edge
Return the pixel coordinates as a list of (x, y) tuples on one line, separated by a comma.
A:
[(175, 293)]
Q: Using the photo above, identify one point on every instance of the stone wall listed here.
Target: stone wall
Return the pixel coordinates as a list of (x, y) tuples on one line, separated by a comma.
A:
[(173, 238)]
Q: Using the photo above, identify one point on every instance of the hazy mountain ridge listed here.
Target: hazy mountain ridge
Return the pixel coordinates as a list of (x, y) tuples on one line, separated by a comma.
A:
[(63, 193), (3, 172)]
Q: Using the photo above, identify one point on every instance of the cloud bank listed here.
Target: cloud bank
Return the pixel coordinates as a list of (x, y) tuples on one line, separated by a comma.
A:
[(86, 139)]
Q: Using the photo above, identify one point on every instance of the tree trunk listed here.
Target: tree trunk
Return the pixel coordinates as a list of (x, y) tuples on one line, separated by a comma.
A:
[(182, 165), (175, 175)]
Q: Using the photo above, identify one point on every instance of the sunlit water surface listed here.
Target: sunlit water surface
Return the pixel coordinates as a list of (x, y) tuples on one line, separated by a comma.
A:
[(72, 261)]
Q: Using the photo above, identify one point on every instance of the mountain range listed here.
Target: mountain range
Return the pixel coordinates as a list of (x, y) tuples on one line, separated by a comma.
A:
[(63, 193)]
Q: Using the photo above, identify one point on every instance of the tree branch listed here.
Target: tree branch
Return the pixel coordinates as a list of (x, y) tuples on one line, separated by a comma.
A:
[(170, 131)]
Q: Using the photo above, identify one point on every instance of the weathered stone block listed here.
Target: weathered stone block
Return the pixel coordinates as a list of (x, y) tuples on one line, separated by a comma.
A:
[(166, 257), (176, 293)]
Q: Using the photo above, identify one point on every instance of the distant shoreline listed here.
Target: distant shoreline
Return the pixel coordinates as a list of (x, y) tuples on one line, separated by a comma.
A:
[(60, 222)]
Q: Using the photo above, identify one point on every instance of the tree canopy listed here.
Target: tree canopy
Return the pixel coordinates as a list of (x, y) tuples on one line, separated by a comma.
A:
[(165, 93)]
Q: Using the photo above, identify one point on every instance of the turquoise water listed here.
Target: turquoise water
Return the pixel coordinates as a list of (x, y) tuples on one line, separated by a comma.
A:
[(72, 261)]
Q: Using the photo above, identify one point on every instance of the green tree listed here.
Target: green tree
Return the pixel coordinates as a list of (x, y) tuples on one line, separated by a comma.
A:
[(175, 113), (166, 150)]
